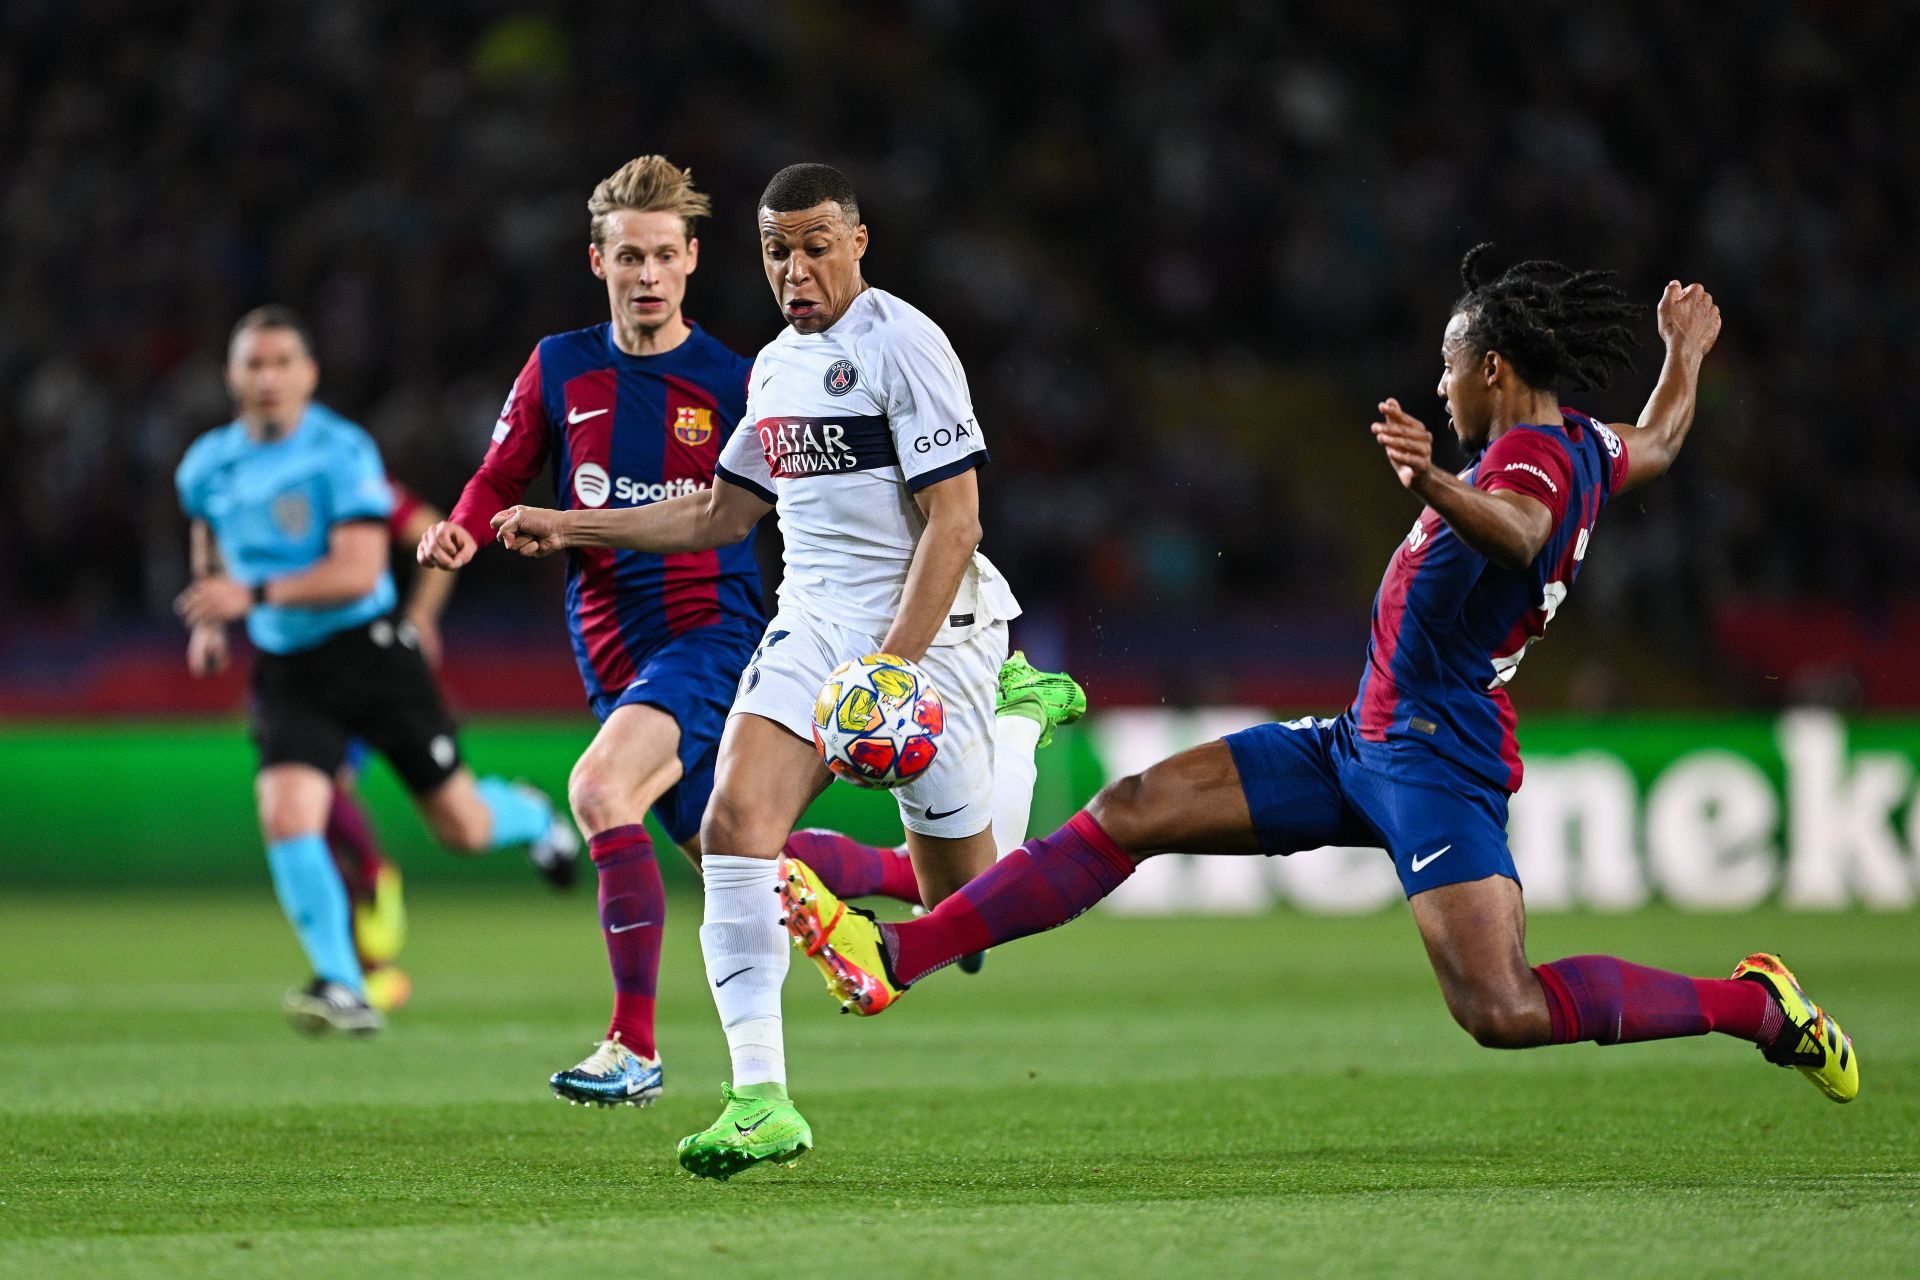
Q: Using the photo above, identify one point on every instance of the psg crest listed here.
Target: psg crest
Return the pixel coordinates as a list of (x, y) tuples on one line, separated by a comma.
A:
[(841, 377), (692, 426)]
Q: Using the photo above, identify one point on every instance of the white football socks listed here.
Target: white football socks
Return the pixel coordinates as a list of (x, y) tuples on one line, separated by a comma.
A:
[(1015, 739), (746, 948), (747, 954)]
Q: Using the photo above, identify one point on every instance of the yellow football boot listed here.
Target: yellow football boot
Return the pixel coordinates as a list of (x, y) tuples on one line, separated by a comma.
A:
[(1811, 1042), (380, 926), (844, 941)]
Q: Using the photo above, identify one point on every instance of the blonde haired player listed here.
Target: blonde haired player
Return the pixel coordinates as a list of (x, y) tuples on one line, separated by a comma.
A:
[(860, 429), (632, 413)]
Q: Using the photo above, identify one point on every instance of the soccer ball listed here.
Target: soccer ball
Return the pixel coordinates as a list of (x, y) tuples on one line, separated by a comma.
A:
[(877, 721)]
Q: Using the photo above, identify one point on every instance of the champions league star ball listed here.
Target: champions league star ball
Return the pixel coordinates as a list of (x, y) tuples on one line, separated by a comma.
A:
[(877, 721)]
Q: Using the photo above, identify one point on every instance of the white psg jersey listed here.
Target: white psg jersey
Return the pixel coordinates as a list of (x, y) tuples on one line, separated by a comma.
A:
[(842, 428)]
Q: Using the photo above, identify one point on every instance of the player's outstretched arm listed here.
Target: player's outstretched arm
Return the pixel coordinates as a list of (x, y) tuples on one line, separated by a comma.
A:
[(940, 559), (522, 440), (715, 517), (1508, 528), (1689, 325)]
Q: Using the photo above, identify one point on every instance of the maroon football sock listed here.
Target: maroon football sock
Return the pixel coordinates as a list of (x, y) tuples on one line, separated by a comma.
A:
[(855, 870), (1610, 1001), (356, 852), (1042, 884), (633, 911), (633, 1020)]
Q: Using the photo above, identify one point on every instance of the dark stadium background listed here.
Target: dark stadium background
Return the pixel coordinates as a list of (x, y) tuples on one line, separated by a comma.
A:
[(1181, 249)]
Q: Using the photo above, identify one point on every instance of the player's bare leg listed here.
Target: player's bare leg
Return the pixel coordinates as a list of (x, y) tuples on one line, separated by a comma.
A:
[(1192, 802), (457, 816), (293, 799), (477, 815), (765, 778), (1475, 935), (293, 803), (628, 766), (941, 864)]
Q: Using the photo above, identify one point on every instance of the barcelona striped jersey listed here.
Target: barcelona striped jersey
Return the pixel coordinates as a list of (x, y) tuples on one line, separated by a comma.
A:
[(623, 431), (1449, 628)]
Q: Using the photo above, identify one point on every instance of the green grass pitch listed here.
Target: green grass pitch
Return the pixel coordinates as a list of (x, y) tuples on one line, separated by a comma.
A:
[(1281, 1095)]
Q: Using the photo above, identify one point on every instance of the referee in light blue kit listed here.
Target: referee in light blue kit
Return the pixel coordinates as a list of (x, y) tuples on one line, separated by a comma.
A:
[(289, 504)]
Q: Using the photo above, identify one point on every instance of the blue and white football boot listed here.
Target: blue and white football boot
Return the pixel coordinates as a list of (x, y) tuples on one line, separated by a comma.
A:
[(611, 1076)]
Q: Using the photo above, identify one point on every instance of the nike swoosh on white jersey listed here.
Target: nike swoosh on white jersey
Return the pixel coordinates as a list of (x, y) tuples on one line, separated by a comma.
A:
[(574, 416), (1419, 864)]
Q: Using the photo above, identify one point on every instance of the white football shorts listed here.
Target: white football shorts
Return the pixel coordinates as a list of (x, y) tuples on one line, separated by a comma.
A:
[(954, 798)]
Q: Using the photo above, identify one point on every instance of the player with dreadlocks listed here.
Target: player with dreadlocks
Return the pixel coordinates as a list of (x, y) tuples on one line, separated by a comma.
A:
[(1423, 761)]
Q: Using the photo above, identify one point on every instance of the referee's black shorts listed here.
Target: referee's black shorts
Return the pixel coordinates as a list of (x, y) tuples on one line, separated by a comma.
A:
[(369, 682)]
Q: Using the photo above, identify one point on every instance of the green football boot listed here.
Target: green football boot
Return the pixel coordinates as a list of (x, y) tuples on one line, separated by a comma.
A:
[(1049, 698), (759, 1123)]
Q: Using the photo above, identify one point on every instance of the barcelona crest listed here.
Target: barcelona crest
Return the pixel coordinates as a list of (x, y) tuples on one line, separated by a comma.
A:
[(692, 426)]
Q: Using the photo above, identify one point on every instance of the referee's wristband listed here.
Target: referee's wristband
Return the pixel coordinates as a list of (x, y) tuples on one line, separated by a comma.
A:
[(259, 593)]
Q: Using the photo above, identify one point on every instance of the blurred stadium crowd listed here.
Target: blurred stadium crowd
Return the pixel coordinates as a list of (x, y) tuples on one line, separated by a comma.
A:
[(1183, 250)]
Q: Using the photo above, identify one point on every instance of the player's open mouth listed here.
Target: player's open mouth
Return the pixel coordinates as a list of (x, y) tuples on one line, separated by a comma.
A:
[(649, 303), (802, 307)]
